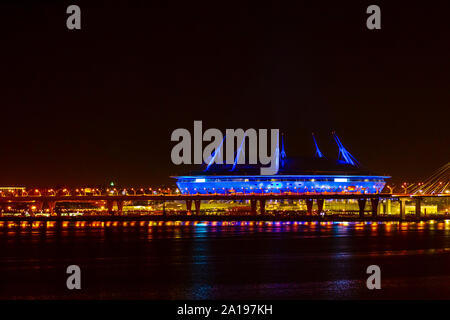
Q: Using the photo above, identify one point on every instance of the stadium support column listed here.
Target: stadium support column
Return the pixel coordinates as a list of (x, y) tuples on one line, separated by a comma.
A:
[(309, 206), (402, 208), (197, 206), (374, 202), (109, 206), (51, 206), (188, 206), (253, 207), (320, 205), (362, 206), (39, 205), (262, 206), (119, 206), (418, 207)]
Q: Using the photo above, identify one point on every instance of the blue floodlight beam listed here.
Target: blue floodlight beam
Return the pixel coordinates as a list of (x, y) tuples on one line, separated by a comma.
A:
[(277, 152), (340, 146), (212, 157), (343, 152), (347, 156), (318, 153), (283, 153), (238, 153)]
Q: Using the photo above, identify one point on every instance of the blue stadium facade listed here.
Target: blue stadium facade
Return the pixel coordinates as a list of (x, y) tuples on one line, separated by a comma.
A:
[(295, 175)]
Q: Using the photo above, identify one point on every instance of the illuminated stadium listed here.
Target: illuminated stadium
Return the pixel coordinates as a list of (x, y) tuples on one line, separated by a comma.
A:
[(296, 175)]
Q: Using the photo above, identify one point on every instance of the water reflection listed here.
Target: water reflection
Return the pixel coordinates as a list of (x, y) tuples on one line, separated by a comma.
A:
[(431, 224), (225, 259)]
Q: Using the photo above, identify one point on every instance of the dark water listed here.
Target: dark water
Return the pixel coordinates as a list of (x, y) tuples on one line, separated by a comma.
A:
[(226, 261)]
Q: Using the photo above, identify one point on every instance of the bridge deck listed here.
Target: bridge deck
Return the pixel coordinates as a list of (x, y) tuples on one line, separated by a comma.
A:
[(268, 196)]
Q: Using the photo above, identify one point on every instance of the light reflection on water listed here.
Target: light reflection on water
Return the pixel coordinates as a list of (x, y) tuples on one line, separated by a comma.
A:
[(225, 259), (387, 225)]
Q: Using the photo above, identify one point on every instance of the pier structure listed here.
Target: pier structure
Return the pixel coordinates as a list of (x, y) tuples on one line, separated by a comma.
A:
[(114, 202)]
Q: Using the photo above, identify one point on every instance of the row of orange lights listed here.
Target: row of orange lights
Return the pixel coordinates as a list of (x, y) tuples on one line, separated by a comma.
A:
[(98, 224)]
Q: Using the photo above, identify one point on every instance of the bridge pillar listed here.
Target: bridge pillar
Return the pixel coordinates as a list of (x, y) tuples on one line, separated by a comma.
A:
[(402, 208), (197, 206), (362, 206), (320, 205), (39, 205), (51, 206), (374, 202), (309, 206), (109, 206), (3, 208), (253, 207), (418, 207), (262, 206), (119, 207), (188, 205)]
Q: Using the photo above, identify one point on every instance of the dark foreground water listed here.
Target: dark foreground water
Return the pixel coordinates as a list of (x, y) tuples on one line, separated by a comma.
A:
[(285, 260)]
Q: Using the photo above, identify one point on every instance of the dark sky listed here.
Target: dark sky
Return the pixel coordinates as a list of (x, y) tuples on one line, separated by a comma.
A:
[(90, 106)]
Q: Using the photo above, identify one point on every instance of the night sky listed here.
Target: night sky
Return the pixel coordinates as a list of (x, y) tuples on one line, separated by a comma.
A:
[(97, 105)]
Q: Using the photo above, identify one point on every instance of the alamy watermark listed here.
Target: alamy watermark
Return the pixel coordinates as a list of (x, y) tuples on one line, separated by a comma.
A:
[(74, 280), (236, 143), (73, 21), (374, 281)]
